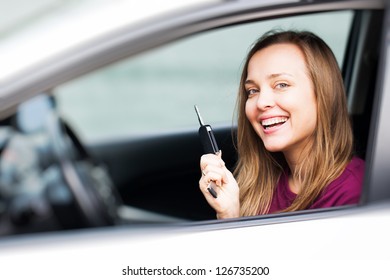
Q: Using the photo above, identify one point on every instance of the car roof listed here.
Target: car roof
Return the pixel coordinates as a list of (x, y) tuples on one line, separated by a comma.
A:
[(74, 24)]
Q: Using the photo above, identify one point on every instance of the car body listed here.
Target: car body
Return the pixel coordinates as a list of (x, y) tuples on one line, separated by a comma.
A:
[(100, 146)]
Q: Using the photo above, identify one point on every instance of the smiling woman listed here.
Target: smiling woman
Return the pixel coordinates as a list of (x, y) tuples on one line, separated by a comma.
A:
[(294, 135), (277, 79)]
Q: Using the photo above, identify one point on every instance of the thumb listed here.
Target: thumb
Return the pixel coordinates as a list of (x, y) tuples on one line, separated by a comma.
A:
[(225, 177)]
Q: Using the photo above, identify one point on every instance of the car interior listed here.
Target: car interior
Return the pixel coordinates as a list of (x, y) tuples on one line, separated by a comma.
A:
[(54, 175)]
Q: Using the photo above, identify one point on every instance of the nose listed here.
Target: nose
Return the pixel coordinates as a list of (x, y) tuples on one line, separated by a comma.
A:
[(265, 99)]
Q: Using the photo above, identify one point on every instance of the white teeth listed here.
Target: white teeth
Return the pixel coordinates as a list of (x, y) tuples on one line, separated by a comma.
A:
[(272, 121)]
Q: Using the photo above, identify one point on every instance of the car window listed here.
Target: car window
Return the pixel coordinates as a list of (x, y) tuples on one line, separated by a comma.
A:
[(157, 90)]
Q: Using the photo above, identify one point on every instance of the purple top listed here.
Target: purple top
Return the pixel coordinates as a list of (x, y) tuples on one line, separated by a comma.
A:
[(346, 189)]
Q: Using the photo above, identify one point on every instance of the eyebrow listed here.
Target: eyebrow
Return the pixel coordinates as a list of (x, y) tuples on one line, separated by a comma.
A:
[(271, 76), (249, 82), (279, 74)]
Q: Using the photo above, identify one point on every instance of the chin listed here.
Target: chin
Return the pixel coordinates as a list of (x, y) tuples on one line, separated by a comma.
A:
[(273, 148)]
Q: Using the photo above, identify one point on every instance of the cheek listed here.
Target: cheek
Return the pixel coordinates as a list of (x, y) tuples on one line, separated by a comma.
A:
[(309, 116), (312, 109), (313, 119), (250, 110)]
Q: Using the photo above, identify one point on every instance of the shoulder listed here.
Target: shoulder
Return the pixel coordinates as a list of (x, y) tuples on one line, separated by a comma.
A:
[(352, 176), (355, 169), (346, 189)]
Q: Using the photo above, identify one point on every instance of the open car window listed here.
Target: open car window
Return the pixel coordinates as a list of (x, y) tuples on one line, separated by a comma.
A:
[(156, 90)]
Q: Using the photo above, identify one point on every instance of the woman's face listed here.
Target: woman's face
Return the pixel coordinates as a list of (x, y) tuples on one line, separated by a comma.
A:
[(281, 104)]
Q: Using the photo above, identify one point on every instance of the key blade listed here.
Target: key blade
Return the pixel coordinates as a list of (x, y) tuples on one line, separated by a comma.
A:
[(198, 114)]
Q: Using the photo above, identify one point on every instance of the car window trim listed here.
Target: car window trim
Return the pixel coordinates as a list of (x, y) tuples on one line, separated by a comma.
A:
[(377, 175)]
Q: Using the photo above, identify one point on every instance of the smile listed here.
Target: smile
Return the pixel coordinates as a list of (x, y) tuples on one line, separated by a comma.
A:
[(273, 122)]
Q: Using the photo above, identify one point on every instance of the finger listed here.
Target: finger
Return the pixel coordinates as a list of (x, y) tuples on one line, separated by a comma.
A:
[(208, 159), (222, 173), (213, 177), (211, 192), (204, 187), (209, 188), (213, 168), (211, 159), (212, 189), (225, 176)]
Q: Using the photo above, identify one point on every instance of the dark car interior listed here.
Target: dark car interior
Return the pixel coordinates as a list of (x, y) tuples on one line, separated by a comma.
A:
[(51, 180)]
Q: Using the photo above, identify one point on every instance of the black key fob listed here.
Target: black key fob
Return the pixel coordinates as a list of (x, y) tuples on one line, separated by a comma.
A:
[(209, 144)]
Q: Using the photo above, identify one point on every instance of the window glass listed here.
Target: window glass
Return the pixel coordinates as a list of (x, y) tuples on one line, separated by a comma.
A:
[(156, 90)]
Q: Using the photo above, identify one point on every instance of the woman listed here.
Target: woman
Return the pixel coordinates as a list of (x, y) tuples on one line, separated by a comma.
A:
[(294, 138)]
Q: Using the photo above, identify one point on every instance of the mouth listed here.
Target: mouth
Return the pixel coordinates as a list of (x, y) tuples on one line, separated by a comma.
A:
[(273, 122)]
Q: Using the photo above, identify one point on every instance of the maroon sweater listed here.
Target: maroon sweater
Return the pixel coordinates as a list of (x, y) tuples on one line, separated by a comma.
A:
[(345, 190)]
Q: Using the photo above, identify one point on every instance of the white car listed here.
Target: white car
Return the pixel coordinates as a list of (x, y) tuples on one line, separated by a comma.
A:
[(99, 162)]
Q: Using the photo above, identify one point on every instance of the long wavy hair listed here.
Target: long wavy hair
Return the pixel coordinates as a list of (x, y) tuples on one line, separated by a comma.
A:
[(259, 170)]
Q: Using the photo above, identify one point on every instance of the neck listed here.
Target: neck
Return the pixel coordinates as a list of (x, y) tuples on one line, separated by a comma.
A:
[(294, 185), (297, 154), (292, 162)]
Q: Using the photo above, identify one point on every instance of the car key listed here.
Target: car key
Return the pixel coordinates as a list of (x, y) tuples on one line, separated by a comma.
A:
[(209, 145)]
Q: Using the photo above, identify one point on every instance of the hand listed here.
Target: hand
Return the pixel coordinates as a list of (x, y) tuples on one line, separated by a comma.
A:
[(227, 203)]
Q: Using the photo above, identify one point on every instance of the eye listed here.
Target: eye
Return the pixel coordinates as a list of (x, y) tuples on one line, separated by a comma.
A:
[(282, 85), (251, 91)]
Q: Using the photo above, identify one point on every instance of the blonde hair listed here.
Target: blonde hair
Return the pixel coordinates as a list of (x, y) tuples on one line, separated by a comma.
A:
[(259, 170)]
